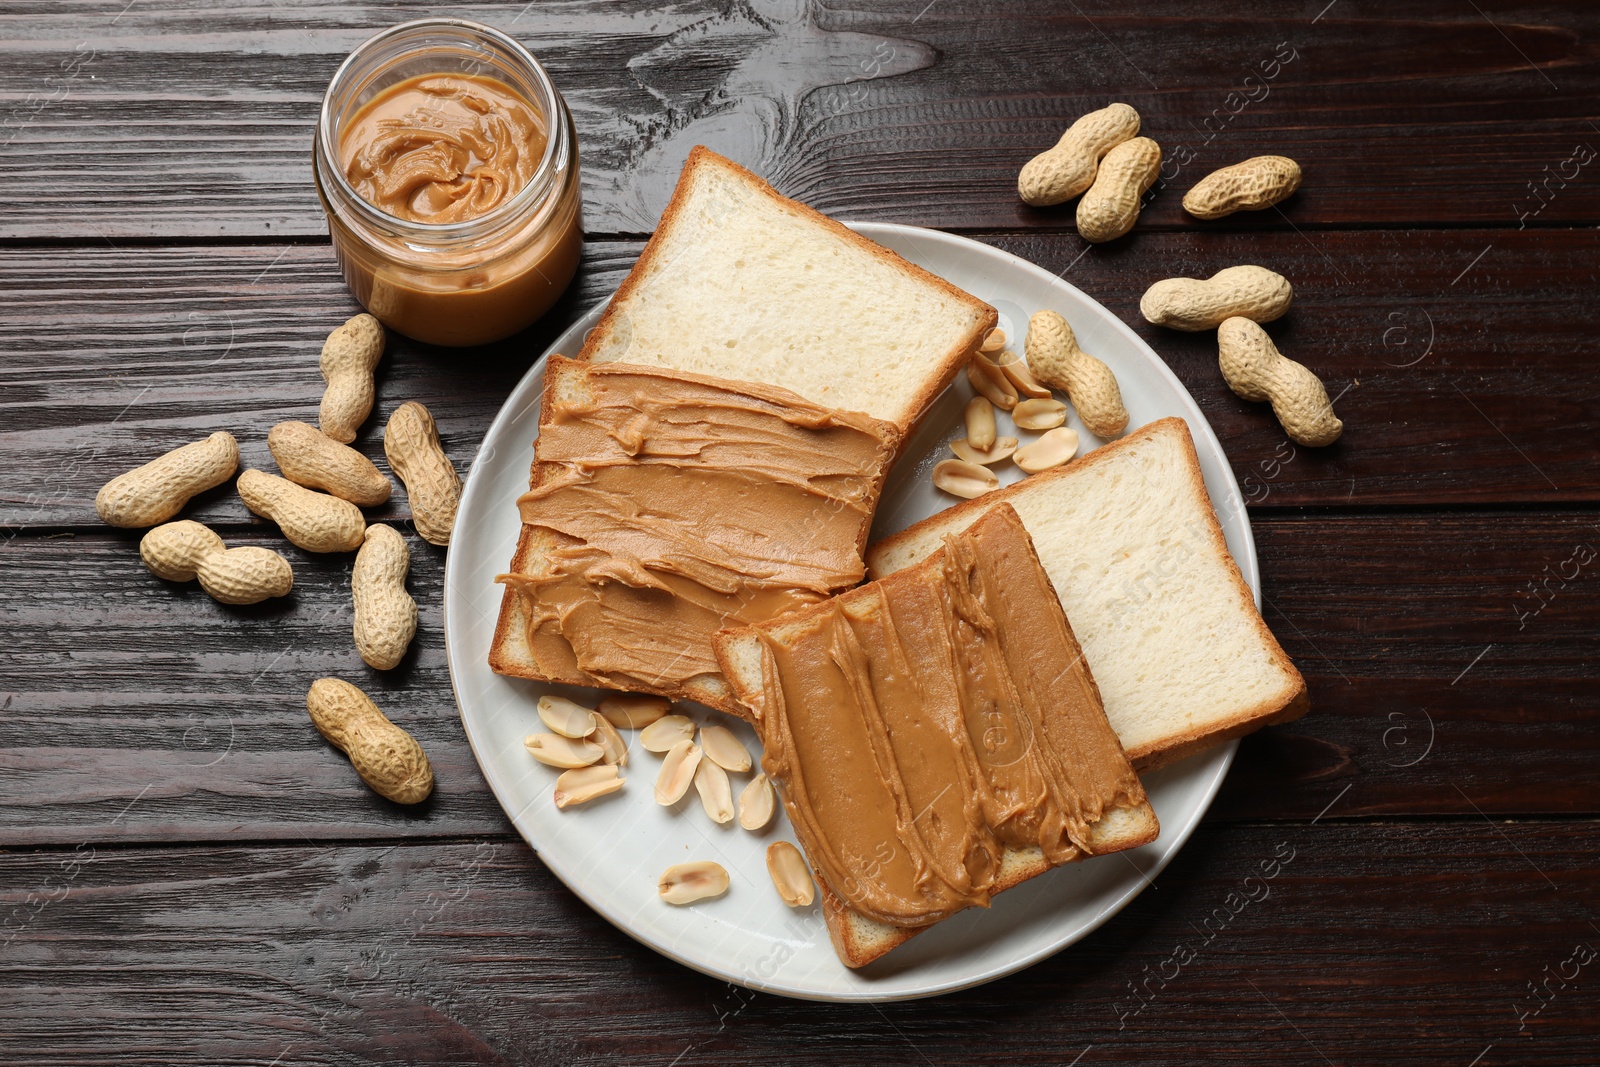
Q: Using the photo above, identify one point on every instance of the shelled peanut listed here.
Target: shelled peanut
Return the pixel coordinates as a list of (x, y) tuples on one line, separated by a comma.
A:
[(385, 614), (411, 443), (1057, 361), (386, 757), (158, 490), (311, 520), (1070, 166), (183, 551), (1194, 304), (311, 458), (349, 357), (1253, 185), (1111, 206), (1256, 370)]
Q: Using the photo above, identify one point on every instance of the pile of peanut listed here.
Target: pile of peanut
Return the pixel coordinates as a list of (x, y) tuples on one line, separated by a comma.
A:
[(317, 505), (585, 745), (1234, 302), (1102, 159), (1002, 379)]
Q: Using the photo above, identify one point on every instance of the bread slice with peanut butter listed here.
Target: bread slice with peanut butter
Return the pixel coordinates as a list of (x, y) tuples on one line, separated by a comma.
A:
[(1133, 547), (665, 506), (936, 738)]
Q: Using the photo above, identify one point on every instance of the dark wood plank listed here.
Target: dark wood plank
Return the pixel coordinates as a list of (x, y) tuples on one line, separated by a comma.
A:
[(1472, 392), (1461, 366), (116, 357), (160, 119), (1451, 671), (1441, 651), (1369, 943)]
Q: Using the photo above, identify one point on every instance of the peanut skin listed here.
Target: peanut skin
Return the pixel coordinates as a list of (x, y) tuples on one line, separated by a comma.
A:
[(1111, 206), (386, 757), (1250, 292), (1067, 169), (155, 492), (411, 441), (1254, 185), (311, 458), (183, 551), (1057, 361), (314, 521), (1256, 370), (386, 615), (349, 356)]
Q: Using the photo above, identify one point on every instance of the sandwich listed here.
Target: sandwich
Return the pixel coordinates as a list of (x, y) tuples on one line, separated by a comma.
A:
[(1170, 630), (936, 736)]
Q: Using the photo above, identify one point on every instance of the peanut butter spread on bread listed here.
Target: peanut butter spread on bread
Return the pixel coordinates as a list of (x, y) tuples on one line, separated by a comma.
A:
[(674, 505), (922, 725)]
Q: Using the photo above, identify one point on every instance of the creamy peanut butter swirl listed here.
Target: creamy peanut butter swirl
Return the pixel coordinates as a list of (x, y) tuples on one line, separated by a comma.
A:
[(925, 724), (671, 505), (442, 148)]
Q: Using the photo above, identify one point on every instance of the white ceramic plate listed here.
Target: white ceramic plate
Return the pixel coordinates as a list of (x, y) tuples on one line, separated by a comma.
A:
[(611, 851)]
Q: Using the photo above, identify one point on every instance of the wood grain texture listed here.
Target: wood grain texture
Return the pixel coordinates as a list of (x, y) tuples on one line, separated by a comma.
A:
[(120, 689), (1472, 392), (121, 356), (189, 874), (1371, 943), (160, 119)]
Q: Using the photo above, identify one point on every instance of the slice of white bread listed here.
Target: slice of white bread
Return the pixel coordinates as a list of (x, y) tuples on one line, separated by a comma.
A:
[(1169, 627), (739, 282), (1123, 817), (824, 557)]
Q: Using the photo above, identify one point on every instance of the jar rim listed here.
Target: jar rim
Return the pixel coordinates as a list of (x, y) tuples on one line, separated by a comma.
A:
[(551, 107)]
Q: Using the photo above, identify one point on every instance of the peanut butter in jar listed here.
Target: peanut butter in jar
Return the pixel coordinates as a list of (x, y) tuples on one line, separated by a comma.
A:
[(447, 166)]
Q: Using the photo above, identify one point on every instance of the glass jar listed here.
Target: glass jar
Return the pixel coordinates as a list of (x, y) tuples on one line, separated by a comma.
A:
[(455, 283)]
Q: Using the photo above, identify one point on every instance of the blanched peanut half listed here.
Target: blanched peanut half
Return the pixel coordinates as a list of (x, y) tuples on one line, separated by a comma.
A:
[(1037, 414), (685, 883), (994, 341), (1051, 450), (967, 480), (582, 784), (677, 771), (665, 732), (565, 717), (979, 418), (724, 749), (1000, 450), (629, 712), (553, 750), (606, 736), (1015, 368), (1000, 395), (757, 803), (716, 795), (988, 363), (790, 875)]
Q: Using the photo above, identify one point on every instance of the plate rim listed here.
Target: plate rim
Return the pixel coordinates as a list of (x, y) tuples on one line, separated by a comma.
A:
[(1222, 755)]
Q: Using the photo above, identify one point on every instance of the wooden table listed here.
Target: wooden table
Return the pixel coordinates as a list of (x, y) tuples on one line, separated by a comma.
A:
[(192, 876)]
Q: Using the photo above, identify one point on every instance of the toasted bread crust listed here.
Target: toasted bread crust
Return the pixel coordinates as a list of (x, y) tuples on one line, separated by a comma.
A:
[(945, 367)]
